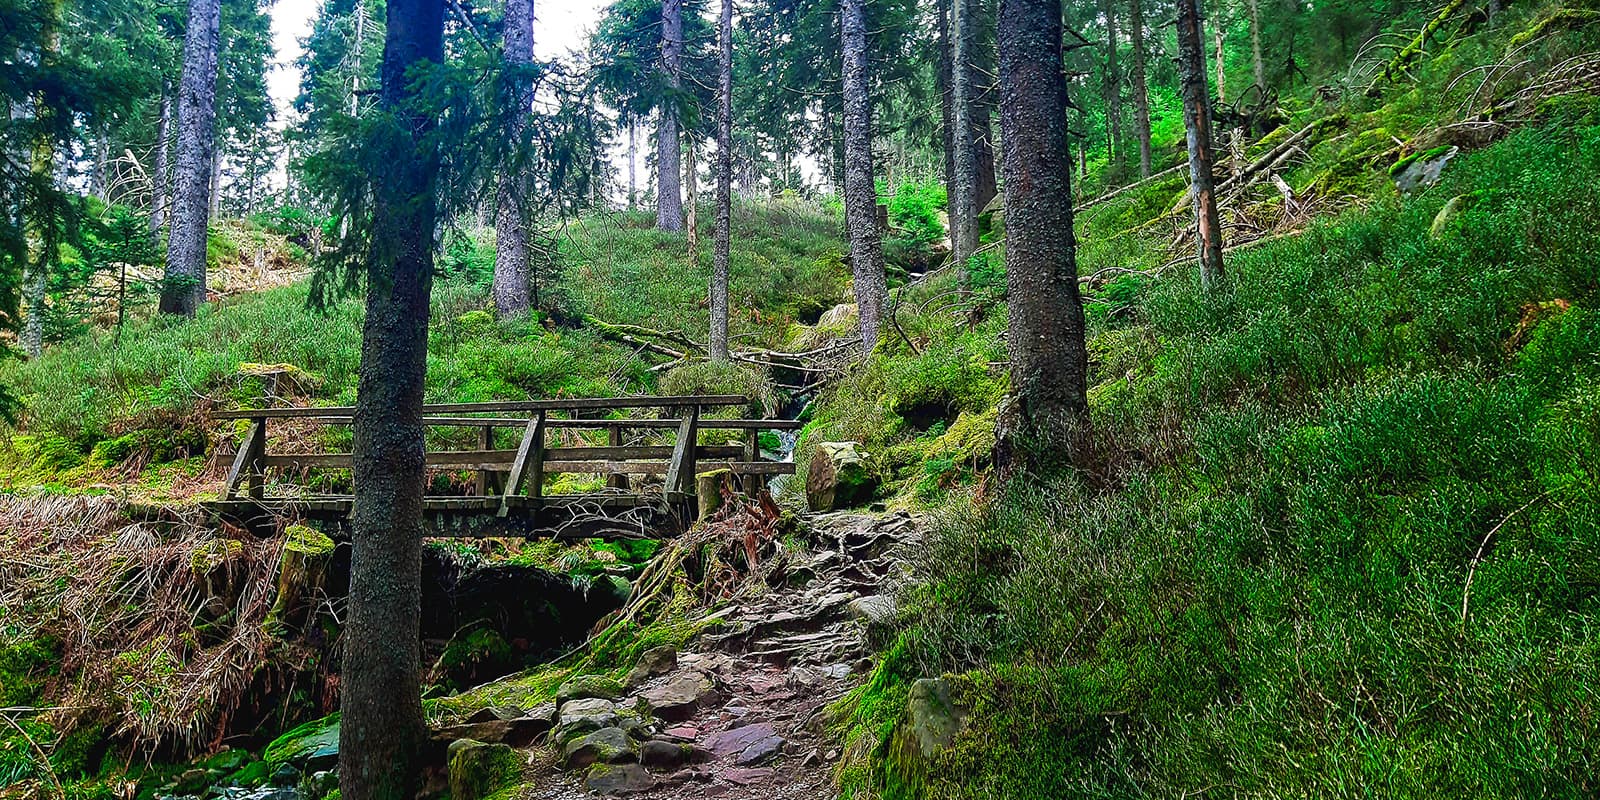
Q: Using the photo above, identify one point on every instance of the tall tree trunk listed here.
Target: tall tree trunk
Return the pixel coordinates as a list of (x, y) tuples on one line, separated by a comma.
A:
[(214, 197), (160, 176), (963, 214), (1197, 125), (1113, 86), (633, 164), (718, 349), (513, 207), (1141, 90), (1255, 45), (1219, 33), (184, 288), (860, 196), (691, 198), (382, 730), (947, 115), (1047, 417), (42, 166), (669, 206)]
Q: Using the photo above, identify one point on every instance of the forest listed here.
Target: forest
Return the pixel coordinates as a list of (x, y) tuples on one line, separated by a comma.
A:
[(792, 399)]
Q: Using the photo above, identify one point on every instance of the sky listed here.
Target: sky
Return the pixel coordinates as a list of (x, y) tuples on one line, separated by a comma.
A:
[(559, 27)]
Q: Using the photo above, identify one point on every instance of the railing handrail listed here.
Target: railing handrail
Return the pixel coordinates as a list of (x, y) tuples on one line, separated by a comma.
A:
[(503, 406), (580, 424)]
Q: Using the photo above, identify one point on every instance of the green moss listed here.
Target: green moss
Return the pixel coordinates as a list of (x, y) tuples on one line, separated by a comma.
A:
[(307, 540), (309, 739)]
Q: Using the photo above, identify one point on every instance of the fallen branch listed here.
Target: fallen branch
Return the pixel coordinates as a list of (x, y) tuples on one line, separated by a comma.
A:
[(1412, 51), (1477, 557)]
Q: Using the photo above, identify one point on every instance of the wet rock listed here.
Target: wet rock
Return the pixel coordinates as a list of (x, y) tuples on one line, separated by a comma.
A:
[(617, 780), (584, 687), (307, 748), (604, 746), (319, 785), (1422, 170), (479, 769), (653, 662), (682, 696), (840, 477), (748, 744)]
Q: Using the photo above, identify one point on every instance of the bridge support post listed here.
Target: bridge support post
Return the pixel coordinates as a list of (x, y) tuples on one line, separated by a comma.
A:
[(248, 468), (680, 483), (529, 464)]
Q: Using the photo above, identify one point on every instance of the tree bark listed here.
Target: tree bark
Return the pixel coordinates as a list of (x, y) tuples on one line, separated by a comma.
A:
[(718, 349), (943, 76), (513, 212), (185, 286), (1255, 45), (1197, 126), (160, 166), (1219, 35), (1046, 418), (633, 164), (962, 200), (1113, 86), (1141, 90), (382, 730), (691, 198), (669, 205), (860, 196)]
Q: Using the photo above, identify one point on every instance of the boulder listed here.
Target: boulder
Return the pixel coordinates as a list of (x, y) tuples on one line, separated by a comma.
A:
[(604, 746), (681, 696), (479, 769), (840, 476), (585, 687), (932, 718), (655, 661), (617, 780), (582, 717), (1422, 170)]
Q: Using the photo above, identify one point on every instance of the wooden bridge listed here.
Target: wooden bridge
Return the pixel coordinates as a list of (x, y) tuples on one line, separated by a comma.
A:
[(508, 497)]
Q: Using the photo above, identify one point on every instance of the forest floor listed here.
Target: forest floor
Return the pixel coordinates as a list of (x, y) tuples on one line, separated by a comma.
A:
[(757, 719)]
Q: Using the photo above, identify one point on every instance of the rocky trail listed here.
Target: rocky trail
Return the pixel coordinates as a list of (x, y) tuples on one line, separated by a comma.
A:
[(740, 713)]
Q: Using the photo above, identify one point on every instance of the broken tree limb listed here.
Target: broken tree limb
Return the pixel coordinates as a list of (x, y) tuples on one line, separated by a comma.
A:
[(1413, 50)]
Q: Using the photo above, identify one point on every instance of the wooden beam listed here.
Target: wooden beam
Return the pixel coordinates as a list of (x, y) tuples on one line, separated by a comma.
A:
[(491, 459), (661, 467), (583, 403), (247, 463), (576, 424), (614, 478), (530, 453), (680, 472)]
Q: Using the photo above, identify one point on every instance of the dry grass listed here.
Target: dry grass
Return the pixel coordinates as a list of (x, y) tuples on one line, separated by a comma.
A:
[(159, 622)]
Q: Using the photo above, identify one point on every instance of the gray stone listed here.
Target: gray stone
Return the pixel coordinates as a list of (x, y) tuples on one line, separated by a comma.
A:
[(840, 476), (932, 718), (544, 711), (1424, 170), (875, 609), (617, 780), (653, 662), (582, 717), (681, 696), (658, 754), (747, 744), (607, 746), (479, 769)]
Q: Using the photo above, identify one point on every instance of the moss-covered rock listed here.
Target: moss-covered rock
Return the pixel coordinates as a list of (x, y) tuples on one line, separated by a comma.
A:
[(839, 476), (581, 687), (478, 770), (316, 743)]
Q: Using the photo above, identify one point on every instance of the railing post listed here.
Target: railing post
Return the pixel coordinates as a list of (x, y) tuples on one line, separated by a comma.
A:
[(247, 468), (530, 458), (485, 476), (680, 483), (752, 454), (616, 480)]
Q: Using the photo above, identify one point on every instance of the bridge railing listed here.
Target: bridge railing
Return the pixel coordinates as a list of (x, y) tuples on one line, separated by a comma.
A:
[(517, 475)]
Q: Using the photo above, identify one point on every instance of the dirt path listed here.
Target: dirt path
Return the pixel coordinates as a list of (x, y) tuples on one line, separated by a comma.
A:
[(740, 714)]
